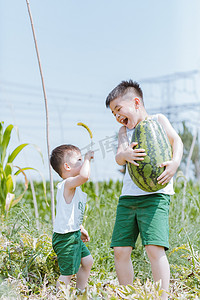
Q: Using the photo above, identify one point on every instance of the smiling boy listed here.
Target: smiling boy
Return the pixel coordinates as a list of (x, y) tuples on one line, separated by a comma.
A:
[(139, 211)]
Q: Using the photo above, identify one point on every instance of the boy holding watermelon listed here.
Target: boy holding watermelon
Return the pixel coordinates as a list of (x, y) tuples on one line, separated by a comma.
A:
[(69, 234), (139, 211)]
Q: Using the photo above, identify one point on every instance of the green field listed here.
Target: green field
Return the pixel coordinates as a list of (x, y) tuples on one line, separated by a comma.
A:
[(28, 265)]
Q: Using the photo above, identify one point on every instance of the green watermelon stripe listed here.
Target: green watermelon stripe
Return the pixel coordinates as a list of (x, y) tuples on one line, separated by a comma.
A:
[(159, 141), (150, 135), (165, 145), (145, 145), (138, 136), (160, 149), (137, 182), (151, 141), (132, 168)]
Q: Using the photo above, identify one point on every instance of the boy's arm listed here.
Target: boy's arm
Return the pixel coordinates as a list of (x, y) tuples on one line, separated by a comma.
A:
[(177, 151), (125, 152), (73, 182)]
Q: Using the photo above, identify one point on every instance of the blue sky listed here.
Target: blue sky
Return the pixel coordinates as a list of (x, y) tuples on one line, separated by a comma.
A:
[(87, 48)]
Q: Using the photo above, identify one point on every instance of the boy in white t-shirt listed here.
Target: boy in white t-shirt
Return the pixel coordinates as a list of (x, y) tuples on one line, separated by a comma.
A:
[(138, 211), (68, 232)]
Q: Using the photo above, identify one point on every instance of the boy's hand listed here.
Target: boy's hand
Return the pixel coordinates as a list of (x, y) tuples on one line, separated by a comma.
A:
[(131, 154), (89, 155), (170, 169), (84, 235)]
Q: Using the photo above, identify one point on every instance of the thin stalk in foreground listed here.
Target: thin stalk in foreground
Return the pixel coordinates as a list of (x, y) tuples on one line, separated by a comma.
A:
[(47, 115)]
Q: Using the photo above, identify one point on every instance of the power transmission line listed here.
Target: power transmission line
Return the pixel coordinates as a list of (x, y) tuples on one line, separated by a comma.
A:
[(52, 91)]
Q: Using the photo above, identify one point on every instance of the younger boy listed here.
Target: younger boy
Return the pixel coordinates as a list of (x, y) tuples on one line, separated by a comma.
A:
[(139, 211), (69, 234)]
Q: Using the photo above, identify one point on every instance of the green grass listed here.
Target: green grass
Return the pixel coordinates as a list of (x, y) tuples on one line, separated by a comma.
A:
[(28, 265)]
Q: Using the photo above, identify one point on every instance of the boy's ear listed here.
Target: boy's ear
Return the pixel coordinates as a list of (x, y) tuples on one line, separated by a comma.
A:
[(137, 102), (67, 167)]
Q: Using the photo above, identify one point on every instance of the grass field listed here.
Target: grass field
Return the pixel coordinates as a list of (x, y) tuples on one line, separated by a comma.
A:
[(28, 265)]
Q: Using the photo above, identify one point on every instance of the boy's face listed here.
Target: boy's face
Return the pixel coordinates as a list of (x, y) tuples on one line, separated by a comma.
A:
[(125, 110), (75, 163)]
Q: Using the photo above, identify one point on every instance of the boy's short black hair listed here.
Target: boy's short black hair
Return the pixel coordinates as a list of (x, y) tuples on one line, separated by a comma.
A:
[(58, 156), (122, 88)]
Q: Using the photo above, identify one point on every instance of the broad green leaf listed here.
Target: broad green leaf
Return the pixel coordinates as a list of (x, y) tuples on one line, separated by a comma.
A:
[(2, 175), (9, 184), (1, 150), (2, 193), (1, 168), (5, 141), (14, 181), (8, 169), (12, 156), (7, 179), (19, 148)]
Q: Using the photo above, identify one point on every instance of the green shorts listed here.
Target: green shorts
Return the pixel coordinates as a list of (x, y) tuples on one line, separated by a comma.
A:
[(147, 215), (69, 249)]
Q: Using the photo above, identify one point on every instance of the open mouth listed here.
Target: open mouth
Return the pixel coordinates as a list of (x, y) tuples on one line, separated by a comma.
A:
[(125, 121)]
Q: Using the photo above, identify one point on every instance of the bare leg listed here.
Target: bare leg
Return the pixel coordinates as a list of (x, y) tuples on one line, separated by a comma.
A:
[(123, 265), (84, 272), (160, 267), (63, 278)]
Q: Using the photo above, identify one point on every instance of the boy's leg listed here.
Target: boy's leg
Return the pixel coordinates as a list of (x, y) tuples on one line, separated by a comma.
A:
[(63, 278), (84, 272), (160, 266), (123, 265)]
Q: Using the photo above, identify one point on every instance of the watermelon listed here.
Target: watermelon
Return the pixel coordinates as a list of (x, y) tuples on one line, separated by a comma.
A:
[(150, 136)]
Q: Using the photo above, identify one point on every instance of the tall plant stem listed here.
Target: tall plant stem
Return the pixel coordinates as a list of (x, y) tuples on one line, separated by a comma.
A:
[(47, 115)]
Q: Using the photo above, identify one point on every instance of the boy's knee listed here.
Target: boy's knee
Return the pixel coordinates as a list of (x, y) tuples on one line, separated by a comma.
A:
[(87, 261), (154, 251), (63, 279), (122, 252), (91, 261)]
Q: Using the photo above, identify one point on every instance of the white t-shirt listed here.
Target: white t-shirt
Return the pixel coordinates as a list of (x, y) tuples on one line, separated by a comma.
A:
[(69, 217), (130, 188)]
